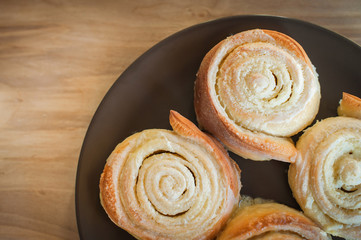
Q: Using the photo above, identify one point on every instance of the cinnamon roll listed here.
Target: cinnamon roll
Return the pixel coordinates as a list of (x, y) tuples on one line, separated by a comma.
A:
[(162, 184), (254, 90), (326, 177), (271, 221)]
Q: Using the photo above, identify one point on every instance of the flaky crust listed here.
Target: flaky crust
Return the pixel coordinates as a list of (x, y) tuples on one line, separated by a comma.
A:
[(161, 184), (350, 106), (271, 221), (254, 90), (326, 177)]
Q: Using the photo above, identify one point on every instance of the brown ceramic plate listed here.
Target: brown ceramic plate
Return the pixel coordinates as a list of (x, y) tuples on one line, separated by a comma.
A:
[(162, 79)]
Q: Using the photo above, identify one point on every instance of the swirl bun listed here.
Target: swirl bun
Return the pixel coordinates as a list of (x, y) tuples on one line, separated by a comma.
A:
[(161, 184), (271, 221), (326, 177), (254, 90)]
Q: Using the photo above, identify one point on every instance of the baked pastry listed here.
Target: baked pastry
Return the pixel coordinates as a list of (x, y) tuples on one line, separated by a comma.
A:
[(254, 90), (326, 177), (350, 106), (271, 221), (162, 184)]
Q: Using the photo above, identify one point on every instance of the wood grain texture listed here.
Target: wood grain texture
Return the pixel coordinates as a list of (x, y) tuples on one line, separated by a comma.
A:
[(59, 58)]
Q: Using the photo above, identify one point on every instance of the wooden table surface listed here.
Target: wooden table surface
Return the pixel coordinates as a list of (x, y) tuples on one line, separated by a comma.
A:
[(57, 61)]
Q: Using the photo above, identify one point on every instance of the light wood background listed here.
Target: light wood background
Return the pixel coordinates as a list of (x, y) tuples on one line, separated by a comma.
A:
[(57, 61)]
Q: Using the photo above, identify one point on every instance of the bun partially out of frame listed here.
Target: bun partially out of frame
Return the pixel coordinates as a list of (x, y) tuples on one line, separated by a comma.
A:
[(326, 177), (267, 220)]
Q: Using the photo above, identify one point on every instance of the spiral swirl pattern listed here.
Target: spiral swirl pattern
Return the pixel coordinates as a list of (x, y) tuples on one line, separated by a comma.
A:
[(262, 85), (326, 177), (160, 184), (271, 221), (259, 84)]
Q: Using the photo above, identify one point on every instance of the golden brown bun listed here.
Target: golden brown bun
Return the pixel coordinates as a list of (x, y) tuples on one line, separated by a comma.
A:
[(161, 184), (270, 221), (350, 106), (326, 177), (254, 90)]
